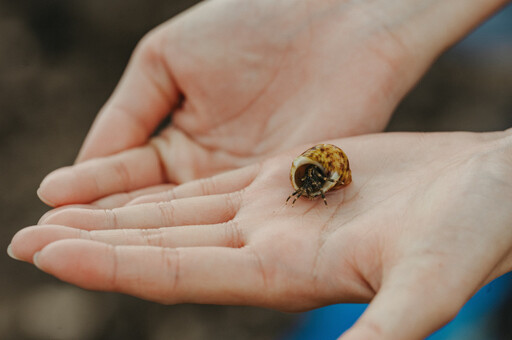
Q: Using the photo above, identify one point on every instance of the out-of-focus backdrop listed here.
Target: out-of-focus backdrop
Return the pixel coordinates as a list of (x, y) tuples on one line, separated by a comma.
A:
[(59, 62)]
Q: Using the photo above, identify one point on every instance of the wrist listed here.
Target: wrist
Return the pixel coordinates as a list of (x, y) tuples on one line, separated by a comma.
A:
[(426, 28), (410, 35)]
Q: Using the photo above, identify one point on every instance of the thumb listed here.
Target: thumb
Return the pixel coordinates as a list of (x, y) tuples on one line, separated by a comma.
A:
[(410, 307), (143, 98)]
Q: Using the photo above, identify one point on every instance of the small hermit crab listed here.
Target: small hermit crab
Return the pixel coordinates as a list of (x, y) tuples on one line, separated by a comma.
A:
[(318, 170)]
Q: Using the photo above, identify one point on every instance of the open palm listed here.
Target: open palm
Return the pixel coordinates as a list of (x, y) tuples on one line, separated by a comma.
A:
[(255, 78), (425, 223)]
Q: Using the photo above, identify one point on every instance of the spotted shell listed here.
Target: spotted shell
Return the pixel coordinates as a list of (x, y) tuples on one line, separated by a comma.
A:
[(332, 163)]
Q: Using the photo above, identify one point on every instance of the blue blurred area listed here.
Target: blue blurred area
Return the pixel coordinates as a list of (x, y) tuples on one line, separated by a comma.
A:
[(493, 33), (472, 323), (327, 322)]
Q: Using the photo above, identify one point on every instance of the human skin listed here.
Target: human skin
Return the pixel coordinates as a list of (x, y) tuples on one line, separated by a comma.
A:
[(424, 224), (257, 78)]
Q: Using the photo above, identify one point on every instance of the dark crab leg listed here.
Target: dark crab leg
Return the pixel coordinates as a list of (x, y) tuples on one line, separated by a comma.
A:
[(296, 198), (296, 191), (323, 196)]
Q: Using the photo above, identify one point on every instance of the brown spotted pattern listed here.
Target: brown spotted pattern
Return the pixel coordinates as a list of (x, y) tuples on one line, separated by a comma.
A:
[(331, 159)]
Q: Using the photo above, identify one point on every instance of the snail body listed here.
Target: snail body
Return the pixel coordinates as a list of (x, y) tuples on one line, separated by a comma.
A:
[(318, 170)]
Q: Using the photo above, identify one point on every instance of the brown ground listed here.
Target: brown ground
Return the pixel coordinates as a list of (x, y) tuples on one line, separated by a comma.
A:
[(59, 61)]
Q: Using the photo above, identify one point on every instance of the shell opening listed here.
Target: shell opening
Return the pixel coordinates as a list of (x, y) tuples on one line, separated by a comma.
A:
[(300, 174)]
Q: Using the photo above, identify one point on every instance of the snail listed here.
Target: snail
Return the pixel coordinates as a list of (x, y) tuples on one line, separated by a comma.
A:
[(318, 170)]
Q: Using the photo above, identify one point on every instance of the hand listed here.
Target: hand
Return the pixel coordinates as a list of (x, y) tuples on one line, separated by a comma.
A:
[(424, 224), (256, 78)]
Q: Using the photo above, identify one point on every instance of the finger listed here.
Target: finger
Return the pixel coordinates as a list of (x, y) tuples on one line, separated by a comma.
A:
[(121, 199), (188, 211), (96, 178), (224, 183), (30, 240), (112, 201), (411, 306), (71, 206), (168, 275), (143, 97)]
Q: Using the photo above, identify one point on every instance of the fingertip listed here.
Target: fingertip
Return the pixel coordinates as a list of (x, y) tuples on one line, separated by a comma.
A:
[(52, 216), (17, 247), (55, 188), (72, 217), (35, 260), (40, 193), (81, 262), (26, 242), (11, 254)]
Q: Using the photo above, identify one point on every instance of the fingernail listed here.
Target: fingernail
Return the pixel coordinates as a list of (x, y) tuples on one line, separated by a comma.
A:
[(34, 259), (10, 253), (44, 200)]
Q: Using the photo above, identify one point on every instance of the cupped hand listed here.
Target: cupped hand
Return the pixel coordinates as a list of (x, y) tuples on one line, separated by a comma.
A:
[(247, 80), (424, 224)]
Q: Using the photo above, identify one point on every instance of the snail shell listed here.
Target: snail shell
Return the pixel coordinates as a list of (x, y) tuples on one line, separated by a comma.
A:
[(318, 170)]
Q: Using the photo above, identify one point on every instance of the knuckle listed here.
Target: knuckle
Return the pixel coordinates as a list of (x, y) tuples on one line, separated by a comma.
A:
[(166, 212), (260, 268), (170, 195), (171, 266), (157, 238), (233, 201), (146, 237), (111, 218), (207, 186), (234, 234), (115, 270), (121, 170), (86, 234)]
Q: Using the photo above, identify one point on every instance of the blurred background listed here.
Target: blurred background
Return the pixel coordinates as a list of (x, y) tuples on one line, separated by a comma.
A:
[(59, 62)]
